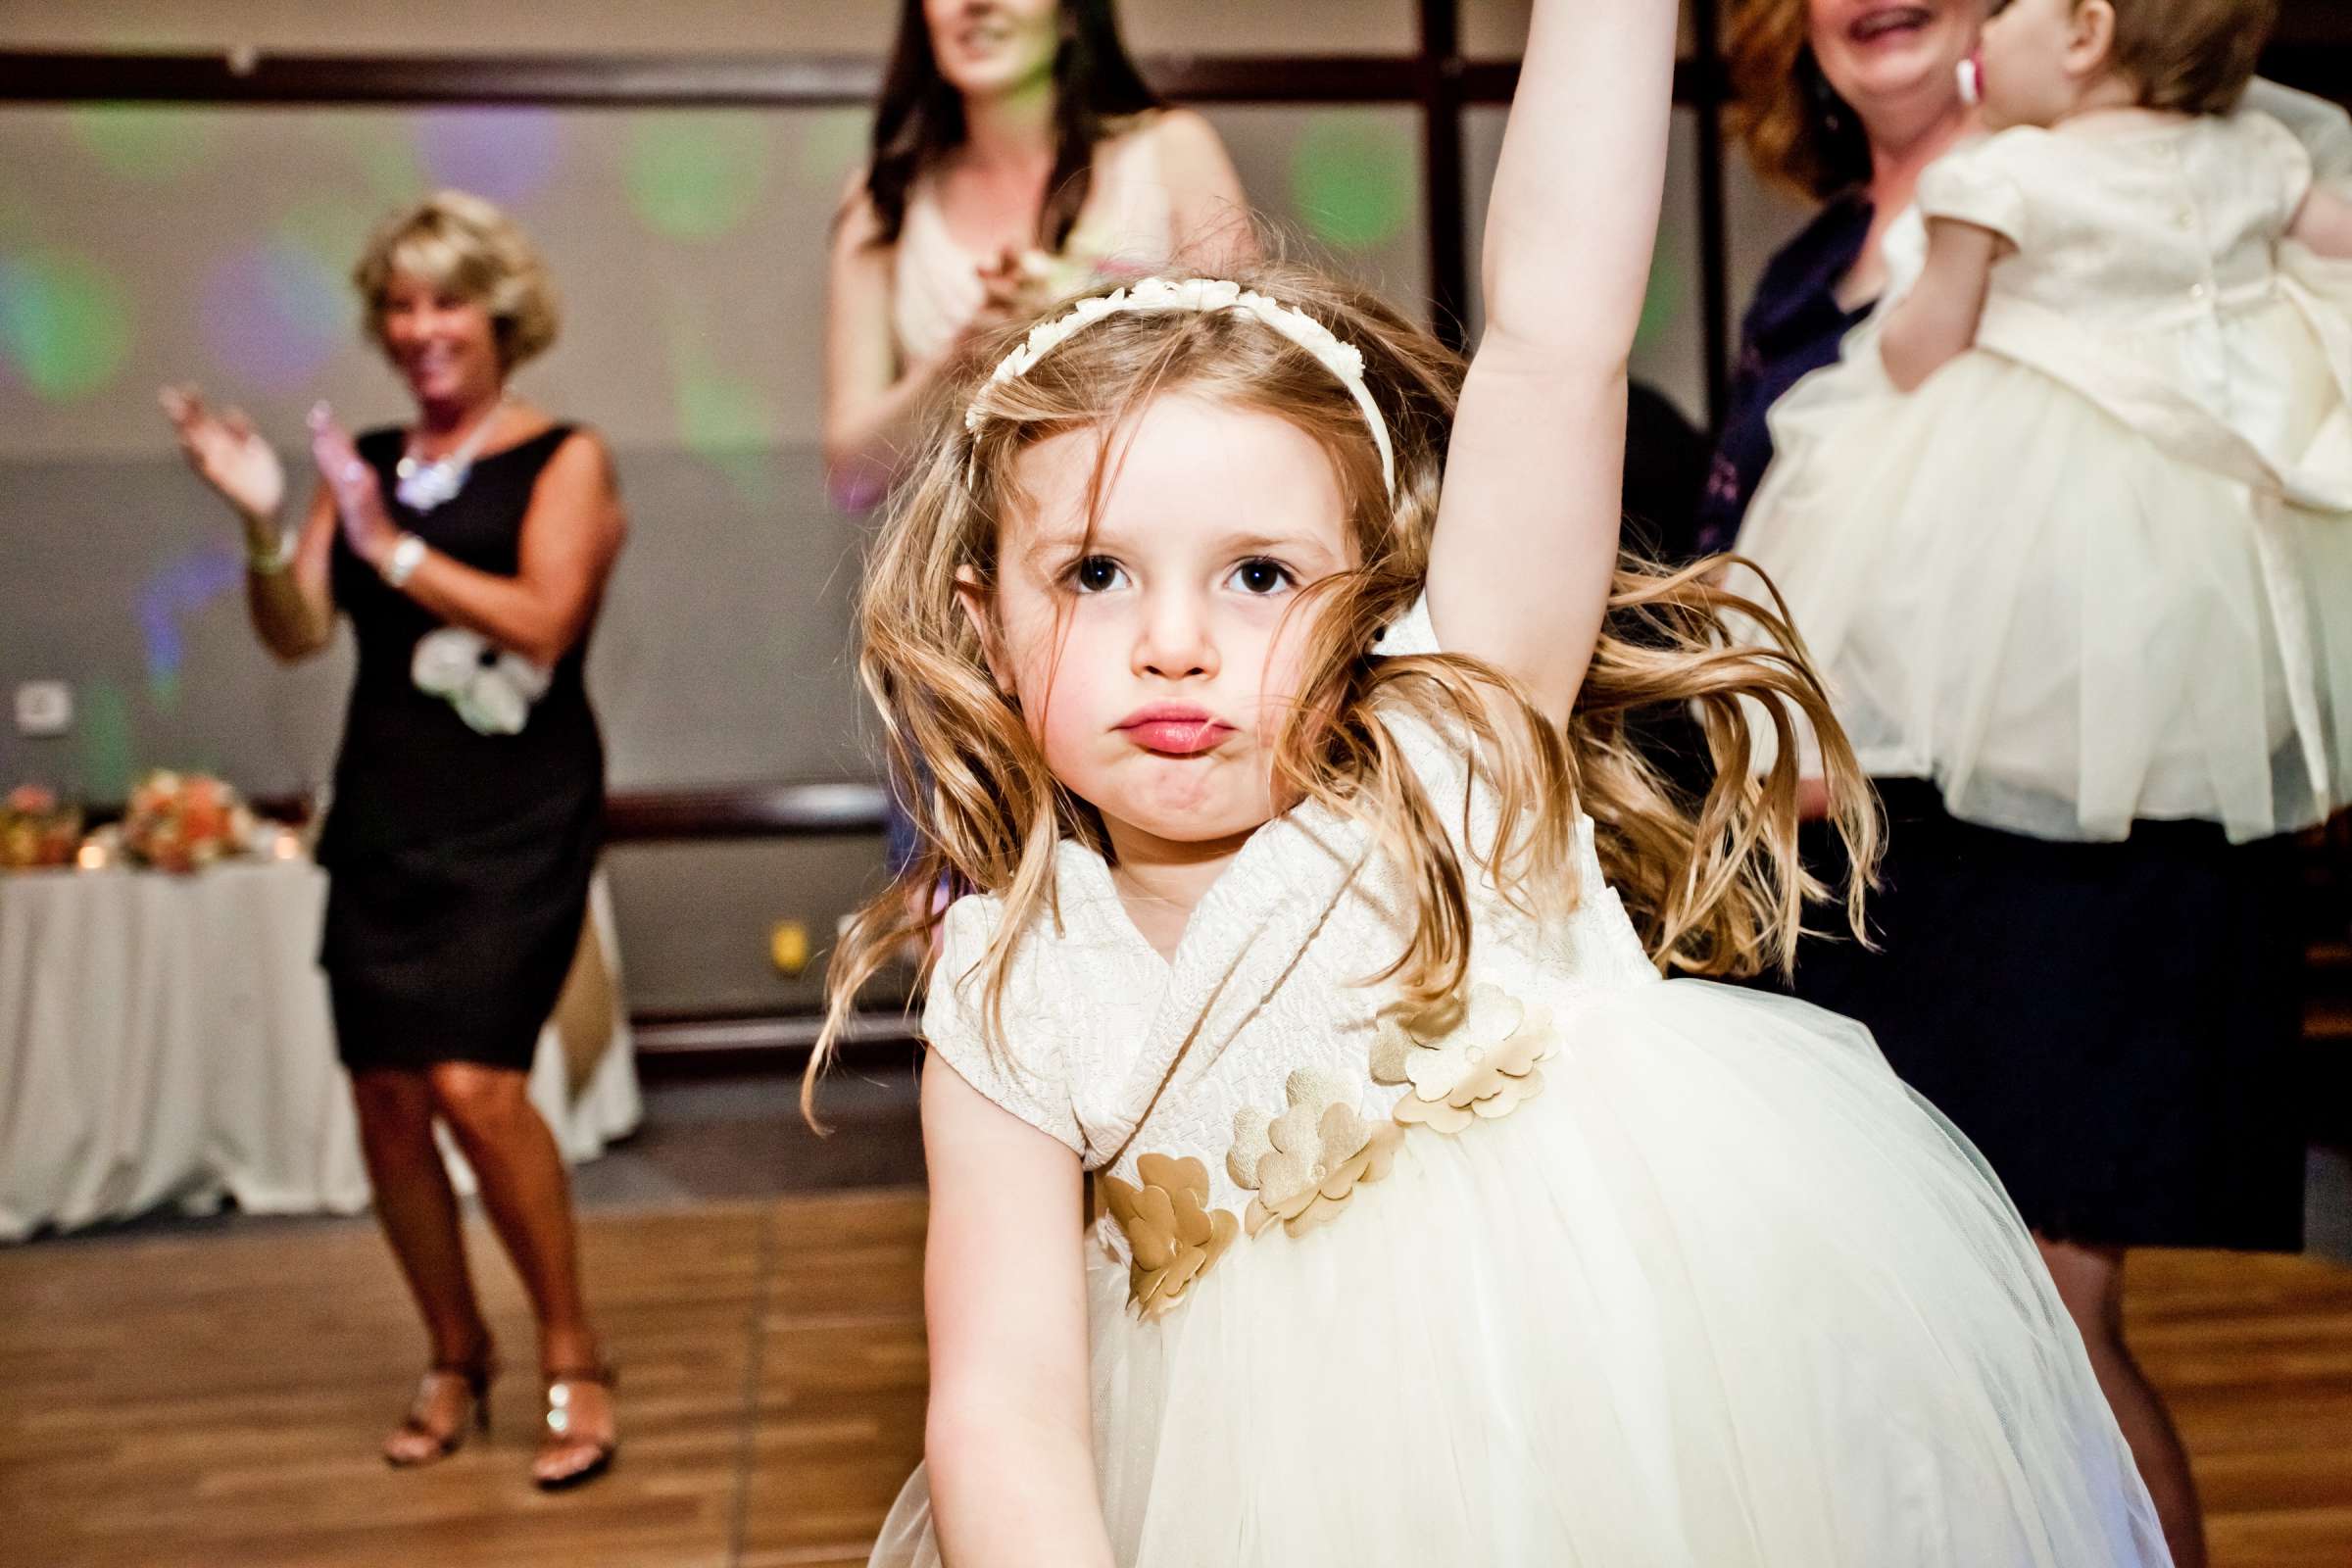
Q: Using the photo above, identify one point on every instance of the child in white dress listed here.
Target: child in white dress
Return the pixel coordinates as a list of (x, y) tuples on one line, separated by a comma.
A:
[(2066, 530), (1321, 902)]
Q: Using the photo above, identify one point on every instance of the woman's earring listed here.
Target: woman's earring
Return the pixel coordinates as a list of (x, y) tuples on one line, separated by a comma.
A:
[(1828, 110)]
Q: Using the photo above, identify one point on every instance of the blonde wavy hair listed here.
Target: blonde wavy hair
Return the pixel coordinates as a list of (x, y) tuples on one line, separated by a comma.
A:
[(1712, 881), (460, 242)]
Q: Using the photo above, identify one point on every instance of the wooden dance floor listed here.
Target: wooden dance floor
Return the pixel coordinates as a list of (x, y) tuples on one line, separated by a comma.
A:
[(214, 1400)]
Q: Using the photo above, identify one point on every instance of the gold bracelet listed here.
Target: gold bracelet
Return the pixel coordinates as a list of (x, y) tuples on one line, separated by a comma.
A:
[(277, 558)]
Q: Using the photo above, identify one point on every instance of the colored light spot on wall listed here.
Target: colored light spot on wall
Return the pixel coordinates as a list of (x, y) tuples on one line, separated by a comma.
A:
[(333, 232), (181, 588), (1663, 306), (696, 175), (724, 418), (19, 223), (731, 424), (833, 142), (135, 141), (109, 744), (386, 156), (1352, 179), (275, 313), (508, 155), (64, 322)]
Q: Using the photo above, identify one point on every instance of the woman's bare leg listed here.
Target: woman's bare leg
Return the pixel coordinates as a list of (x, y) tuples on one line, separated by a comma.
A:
[(2091, 1281), (418, 1211), (528, 1196)]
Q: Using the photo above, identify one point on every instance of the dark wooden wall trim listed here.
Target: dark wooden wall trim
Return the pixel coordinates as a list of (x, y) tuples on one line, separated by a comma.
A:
[(1443, 178), (783, 809), (2312, 50), (703, 81), (628, 81)]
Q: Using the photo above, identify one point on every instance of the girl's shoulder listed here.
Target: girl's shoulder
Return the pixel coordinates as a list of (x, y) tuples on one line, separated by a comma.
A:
[(1002, 1040)]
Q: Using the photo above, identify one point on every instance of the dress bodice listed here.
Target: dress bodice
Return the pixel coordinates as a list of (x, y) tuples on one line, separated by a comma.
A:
[(410, 770), (2135, 224), (1115, 1052), (2147, 271)]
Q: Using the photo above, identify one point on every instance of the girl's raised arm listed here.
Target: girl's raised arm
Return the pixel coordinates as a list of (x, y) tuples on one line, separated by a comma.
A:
[(1527, 529)]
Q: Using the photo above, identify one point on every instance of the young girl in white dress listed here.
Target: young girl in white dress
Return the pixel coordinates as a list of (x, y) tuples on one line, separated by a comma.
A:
[(2067, 530), (1320, 908)]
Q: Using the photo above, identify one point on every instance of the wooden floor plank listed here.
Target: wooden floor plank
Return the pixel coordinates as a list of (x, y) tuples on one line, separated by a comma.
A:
[(214, 1400)]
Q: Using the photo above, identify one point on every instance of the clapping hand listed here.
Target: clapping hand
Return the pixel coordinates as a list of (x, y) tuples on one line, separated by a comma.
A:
[(1005, 294), (227, 453), (359, 499)]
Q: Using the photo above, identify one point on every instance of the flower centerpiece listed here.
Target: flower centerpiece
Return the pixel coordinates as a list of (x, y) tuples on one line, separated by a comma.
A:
[(36, 830), (184, 822)]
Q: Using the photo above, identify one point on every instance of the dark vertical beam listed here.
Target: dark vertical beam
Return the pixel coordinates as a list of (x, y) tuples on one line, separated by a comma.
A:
[(1714, 221), (1442, 175)]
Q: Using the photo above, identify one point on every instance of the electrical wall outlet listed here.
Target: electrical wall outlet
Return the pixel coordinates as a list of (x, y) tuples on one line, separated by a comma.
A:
[(44, 708)]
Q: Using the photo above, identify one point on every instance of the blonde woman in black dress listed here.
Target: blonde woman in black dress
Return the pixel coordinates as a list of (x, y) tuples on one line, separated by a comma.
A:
[(471, 551)]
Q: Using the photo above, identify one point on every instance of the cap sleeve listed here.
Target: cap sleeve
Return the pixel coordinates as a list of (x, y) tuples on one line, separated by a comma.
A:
[(1978, 182), (2322, 127), (2282, 157), (1024, 1073), (1410, 633)]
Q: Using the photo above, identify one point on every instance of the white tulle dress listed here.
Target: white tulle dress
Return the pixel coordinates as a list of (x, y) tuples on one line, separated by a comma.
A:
[(2099, 567), (1604, 1270)]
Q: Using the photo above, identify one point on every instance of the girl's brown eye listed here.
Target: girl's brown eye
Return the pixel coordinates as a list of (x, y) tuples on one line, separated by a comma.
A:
[(1095, 574), (1261, 576)]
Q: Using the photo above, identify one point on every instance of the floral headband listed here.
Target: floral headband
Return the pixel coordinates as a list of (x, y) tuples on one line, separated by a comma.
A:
[(1205, 294)]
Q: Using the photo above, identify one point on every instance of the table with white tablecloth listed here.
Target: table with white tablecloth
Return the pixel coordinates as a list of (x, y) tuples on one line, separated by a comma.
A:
[(165, 1040)]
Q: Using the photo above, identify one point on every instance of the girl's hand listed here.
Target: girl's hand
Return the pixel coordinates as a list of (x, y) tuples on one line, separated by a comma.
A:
[(227, 453), (359, 500)]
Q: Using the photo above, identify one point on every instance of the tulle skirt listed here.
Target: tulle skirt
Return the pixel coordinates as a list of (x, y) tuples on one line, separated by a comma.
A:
[(1723, 1295), (2057, 617)]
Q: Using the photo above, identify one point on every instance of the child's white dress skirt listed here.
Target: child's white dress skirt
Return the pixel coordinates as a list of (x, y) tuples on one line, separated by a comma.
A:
[(2072, 598), (1723, 1295)]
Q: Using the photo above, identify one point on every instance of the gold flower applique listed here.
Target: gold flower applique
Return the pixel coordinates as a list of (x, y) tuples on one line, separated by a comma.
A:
[(1170, 1229), (1464, 1059), (1306, 1162)]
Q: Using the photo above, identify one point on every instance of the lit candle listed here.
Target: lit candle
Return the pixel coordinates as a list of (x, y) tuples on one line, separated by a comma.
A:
[(91, 857)]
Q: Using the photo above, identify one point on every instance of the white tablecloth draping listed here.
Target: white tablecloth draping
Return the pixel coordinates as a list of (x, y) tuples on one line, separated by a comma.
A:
[(166, 1040)]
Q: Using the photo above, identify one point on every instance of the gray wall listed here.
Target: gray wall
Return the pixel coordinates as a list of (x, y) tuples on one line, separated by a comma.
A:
[(139, 245), (144, 245)]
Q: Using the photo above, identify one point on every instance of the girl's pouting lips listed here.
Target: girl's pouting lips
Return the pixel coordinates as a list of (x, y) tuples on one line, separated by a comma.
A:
[(1174, 730)]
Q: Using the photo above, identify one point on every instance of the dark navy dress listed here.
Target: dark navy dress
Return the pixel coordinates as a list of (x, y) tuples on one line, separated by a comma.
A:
[(459, 863)]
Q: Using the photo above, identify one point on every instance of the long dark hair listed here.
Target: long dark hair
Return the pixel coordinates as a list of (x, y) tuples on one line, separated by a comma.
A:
[(920, 117)]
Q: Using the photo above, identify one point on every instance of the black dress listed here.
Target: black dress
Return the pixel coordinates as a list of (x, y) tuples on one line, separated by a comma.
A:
[(459, 863), (2113, 1025)]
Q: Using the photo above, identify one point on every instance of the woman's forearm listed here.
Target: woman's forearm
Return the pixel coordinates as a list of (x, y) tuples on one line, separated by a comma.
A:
[(283, 617), (291, 618), (514, 612), (865, 444)]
